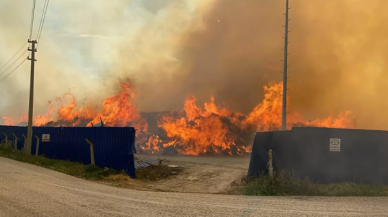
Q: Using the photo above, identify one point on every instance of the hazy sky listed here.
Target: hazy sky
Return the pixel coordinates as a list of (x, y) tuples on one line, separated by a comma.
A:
[(225, 48), (82, 42)]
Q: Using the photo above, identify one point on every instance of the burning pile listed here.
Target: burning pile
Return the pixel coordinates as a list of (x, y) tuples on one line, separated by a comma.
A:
[(204, 130), (193, 131)]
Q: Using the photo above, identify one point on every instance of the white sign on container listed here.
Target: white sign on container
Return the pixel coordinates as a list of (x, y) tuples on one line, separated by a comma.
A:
[(335, 144), (45, 137)]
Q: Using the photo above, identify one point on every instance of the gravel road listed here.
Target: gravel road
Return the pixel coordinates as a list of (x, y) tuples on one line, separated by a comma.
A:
[(27, 190)]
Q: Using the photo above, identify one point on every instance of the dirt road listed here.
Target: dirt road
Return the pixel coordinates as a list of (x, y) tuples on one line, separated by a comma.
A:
[(214, 174), (27, 190)]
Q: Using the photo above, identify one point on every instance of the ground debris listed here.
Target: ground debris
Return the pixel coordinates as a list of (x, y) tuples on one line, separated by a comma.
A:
[(147, 163), (174, 166)]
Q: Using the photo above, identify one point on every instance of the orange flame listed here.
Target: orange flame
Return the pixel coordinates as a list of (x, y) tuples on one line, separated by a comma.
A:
[(152, 144), (198, 135), (267, 115), (116, 111), (38, 120), (192, 131), (199, 131), (213, 129)]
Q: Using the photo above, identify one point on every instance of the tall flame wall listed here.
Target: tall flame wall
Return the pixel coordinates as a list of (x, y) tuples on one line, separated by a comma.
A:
[(305, 151), (113, 146)]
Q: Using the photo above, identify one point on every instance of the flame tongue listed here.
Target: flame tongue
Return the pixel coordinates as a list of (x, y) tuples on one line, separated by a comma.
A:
[(212, 129), (192, 131), (117, 110), (199, 131)]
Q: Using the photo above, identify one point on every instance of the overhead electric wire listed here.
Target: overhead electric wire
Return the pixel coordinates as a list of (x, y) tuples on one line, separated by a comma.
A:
[(5, 77), (40, 29), (42, 19), (14, 62), (13, 57), (32, 18)]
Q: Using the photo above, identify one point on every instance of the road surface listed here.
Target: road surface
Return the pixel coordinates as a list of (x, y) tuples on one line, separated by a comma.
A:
[(201, 174), (27, 190)]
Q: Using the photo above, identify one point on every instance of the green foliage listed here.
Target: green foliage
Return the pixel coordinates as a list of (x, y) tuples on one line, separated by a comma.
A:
[(76, 169), (284, 184)]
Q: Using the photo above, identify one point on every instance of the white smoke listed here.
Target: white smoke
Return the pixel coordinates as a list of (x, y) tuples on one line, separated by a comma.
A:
[(89, 45)]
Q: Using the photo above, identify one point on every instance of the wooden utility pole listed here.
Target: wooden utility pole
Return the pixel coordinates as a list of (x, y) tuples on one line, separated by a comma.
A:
[(31, 101)]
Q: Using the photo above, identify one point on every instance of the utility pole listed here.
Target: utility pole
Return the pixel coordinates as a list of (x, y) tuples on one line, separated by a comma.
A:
[(31, 101), (285, 66)]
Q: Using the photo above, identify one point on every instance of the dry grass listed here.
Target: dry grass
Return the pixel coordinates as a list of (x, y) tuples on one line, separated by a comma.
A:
[(157, 172), (91, 172), (284, 184), (76, 169)]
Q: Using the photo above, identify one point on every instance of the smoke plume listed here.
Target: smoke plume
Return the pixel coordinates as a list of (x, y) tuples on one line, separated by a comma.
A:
[(225, 48)]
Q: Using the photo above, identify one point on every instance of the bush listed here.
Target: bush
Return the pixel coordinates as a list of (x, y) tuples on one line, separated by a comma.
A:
[(285, 184)]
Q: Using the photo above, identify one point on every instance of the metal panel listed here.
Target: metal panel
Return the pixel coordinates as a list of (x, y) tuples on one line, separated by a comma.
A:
[(262, 143), (10, 130), (113, 146), (305, 151)]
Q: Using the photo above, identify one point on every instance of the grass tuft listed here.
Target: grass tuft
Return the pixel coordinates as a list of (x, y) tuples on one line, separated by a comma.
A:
[(284, 184)]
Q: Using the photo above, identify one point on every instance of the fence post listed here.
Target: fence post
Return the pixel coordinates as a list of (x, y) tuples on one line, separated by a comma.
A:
[(16, 141), (270, 166), (25, 142), (37, 146), (91, 151), (6, 138)]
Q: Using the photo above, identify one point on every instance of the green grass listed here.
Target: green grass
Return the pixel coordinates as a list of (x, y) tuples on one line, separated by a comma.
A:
[(284, 184), (76, 169)]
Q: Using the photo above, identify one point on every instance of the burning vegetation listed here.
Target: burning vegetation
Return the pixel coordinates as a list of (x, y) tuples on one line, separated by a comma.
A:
[(211, 129)]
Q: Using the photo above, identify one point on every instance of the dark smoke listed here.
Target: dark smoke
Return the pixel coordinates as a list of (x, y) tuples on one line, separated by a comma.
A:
[(337, 58)]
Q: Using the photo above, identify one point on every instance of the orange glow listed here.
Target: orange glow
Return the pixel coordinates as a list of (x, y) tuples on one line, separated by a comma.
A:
[(116, 111), (267, 115), (199, 130), (211, 129), (216, 129), (152, 144)]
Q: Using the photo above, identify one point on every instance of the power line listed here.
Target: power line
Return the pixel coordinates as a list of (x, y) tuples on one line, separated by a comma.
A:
[(14, 62), (42, 19), (32, 18), (13, 56), (5, 77)]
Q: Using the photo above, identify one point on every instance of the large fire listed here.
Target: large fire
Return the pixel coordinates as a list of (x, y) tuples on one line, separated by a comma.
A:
[(210, 129)]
